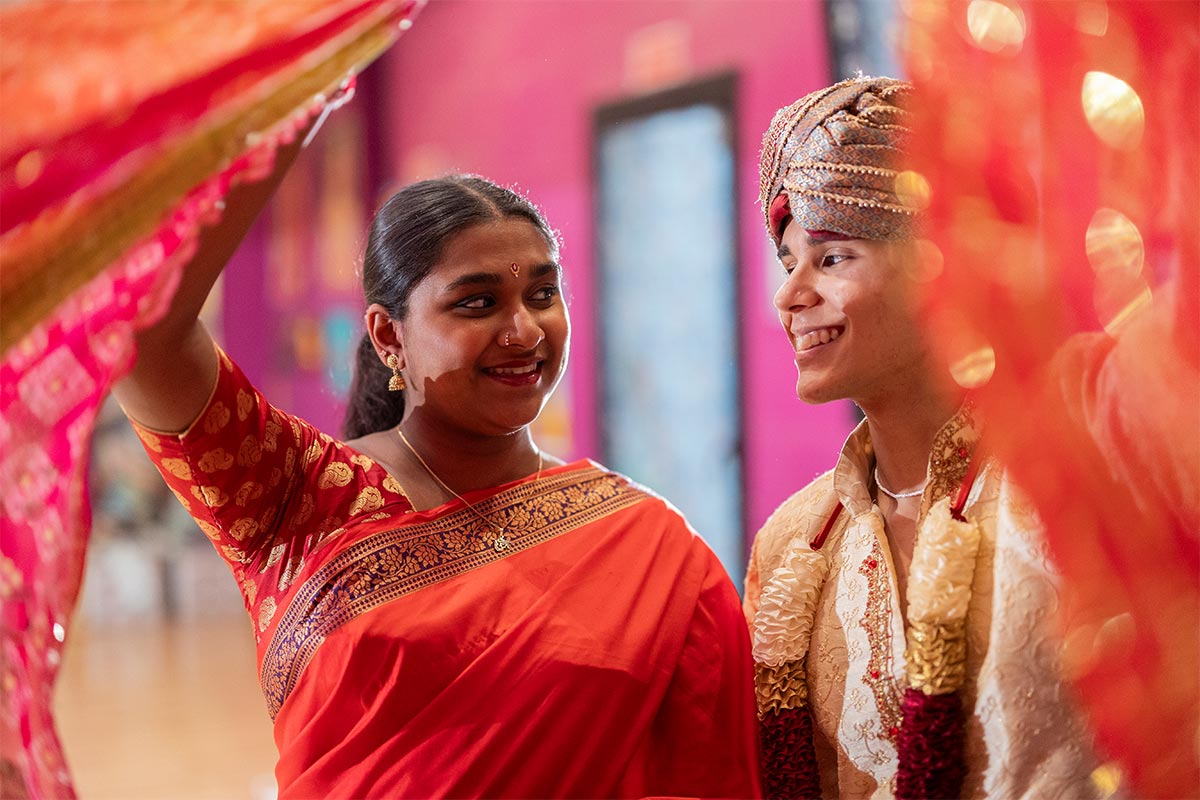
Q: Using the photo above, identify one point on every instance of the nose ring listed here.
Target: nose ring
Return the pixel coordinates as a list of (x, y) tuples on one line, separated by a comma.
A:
[(507, 336)]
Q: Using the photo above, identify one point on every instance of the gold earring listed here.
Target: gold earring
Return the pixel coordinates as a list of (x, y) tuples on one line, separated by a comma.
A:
[(396, 383)]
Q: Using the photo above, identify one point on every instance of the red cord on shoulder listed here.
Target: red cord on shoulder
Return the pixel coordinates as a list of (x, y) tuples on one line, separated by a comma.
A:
[(964, 490), (820, 538)]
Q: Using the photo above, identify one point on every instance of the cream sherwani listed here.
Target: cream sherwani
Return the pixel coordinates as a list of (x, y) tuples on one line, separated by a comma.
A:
[(1024, 738)]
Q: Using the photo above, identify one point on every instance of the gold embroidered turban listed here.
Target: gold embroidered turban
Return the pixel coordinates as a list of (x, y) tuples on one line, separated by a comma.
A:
[(831, 160)]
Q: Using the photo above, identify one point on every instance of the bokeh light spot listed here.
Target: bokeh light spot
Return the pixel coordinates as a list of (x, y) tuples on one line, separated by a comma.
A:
[(1113, 110), (995, 26), (1116, 252), (1091, 17), (1142, 300), (1107, 779), (975, 368), (1114, 244), (913, 190), (29, 168)]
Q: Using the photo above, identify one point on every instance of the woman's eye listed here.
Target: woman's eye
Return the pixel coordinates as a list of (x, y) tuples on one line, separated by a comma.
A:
[(545, 293), (477, 302), (833, 259)]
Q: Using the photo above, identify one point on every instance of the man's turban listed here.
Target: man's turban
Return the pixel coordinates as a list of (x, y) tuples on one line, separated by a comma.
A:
[(831, 160)]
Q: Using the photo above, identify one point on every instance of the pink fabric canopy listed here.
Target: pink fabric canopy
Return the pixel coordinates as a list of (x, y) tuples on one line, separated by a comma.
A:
[(125, 125)]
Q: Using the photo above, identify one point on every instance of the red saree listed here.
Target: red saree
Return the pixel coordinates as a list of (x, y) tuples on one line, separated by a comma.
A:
[(401, 654)]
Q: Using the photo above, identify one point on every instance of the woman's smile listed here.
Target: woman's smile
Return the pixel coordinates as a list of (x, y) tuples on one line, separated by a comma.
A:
[(516, 373)]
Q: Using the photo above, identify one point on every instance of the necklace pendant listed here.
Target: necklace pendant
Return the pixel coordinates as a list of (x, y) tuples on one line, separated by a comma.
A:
[(501, 543)]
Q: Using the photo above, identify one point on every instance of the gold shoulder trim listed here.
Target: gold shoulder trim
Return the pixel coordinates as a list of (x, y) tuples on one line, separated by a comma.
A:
[(953, 448), (388, 565)]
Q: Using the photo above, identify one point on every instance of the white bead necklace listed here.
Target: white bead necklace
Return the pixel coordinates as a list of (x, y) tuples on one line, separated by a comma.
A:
[(898, 495)]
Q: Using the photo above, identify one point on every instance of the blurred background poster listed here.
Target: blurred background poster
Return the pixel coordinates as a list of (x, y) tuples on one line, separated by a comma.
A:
[(667, 292)]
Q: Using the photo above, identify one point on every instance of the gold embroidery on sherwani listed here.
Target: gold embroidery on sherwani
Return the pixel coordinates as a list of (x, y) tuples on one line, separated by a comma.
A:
[(877, 621), (952, 450), (391, 564)]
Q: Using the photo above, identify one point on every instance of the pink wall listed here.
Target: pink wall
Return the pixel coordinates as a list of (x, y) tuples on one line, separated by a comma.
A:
[(507, 89)]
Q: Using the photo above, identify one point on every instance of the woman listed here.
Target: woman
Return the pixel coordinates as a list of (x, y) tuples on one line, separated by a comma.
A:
[(441, 608)]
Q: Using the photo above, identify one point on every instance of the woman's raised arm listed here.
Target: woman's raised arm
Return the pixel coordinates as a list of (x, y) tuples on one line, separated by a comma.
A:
[(176, 365)]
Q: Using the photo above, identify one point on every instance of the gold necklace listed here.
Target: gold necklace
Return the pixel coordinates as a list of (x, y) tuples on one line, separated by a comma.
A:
[(501, 542)]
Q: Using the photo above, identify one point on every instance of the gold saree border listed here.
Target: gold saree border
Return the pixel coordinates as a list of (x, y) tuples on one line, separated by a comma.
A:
[(388, 565)]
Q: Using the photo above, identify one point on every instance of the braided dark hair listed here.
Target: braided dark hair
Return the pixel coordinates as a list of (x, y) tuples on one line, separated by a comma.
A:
[(407, 238)]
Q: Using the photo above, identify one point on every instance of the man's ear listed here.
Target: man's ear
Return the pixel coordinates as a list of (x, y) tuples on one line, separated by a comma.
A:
[(385, 334)]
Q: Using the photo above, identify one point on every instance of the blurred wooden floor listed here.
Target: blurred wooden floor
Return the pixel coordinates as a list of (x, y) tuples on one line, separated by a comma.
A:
[(165, 712)]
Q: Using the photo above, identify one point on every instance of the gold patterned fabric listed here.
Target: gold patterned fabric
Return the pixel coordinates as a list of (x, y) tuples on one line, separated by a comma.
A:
[(1024, 736), (836, 155)]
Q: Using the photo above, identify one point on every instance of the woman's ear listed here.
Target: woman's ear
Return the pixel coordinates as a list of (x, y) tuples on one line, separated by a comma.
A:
[(385, 333)]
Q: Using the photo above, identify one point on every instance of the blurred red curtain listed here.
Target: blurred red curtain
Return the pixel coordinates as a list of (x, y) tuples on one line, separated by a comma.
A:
[(1059, 160)]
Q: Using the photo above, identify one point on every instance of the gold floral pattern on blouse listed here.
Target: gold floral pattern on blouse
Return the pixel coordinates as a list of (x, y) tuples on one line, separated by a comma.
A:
[(250, 452), (177, 467), (248, 492), (266, 612), (369, 499), (260, 483), (245, 402), (335, 474), (211, 496), (216, 418), (215, 460)]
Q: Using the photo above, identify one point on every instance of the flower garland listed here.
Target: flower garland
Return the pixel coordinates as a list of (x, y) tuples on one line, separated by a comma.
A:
[(782, 632), (930, 743), (931, 739)]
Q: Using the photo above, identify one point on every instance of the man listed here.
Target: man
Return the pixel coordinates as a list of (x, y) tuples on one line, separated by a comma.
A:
[(887, 661)]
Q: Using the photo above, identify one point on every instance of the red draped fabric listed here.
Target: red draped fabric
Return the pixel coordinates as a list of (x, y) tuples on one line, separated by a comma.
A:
[(625, 674), (125, 125), (1061, 149), (600, 653)]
